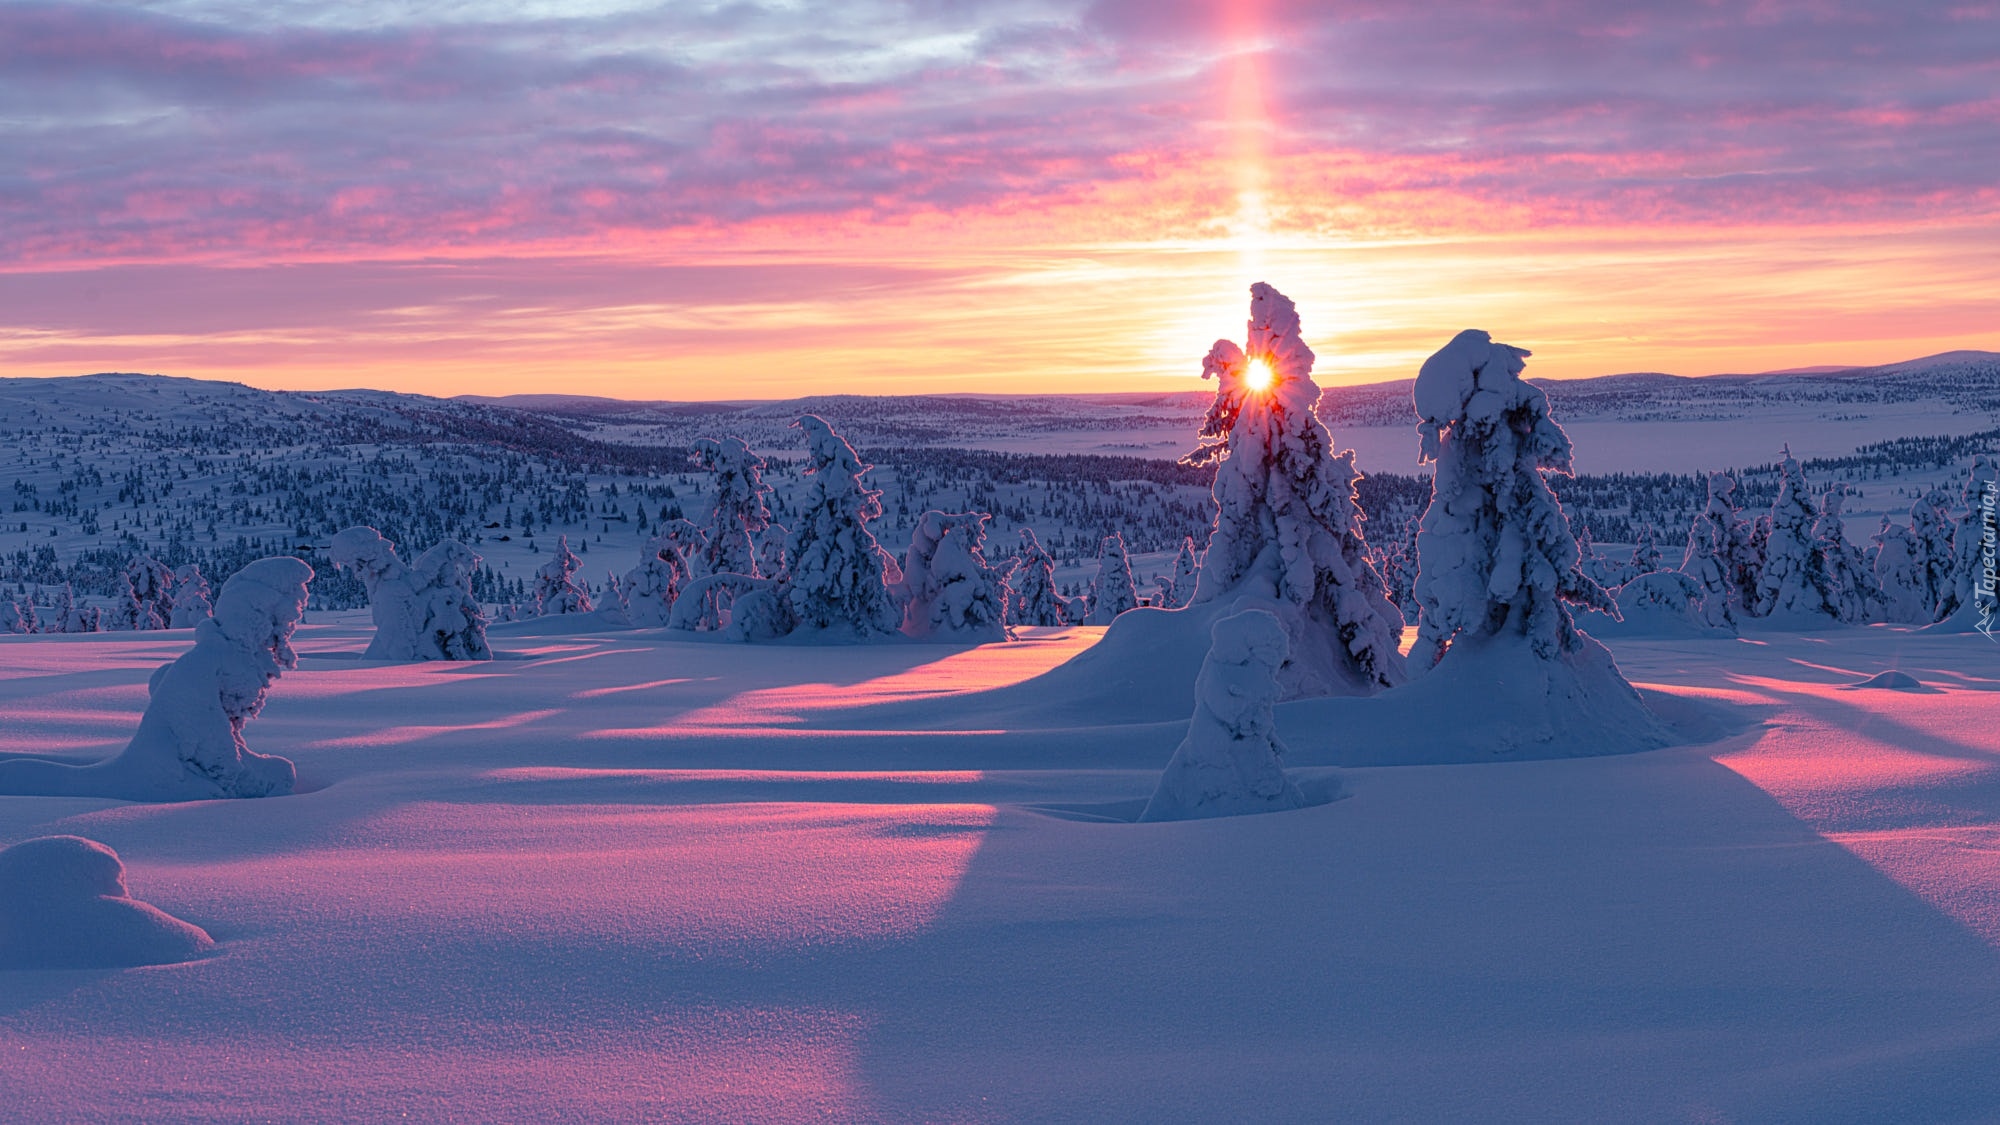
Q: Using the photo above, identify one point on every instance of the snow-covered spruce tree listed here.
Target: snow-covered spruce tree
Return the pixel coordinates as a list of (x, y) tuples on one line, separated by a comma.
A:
[(1931, 524), (1645, 554), (189, 745), (1112, 592), (1899, 572), (737, 607), (556, 587), (1851, 586), (1287, 527), (132, 613), (453, 625), (839, 574), (1794, 588), (739, 511), (971, 601), (76, 616), (63, 612), (1036, 599), (650, 589), (1187, 571), (1231, 762), (191, 598), (1495, 553), (153, 582), (1969, 599), (947, 590), (18, 616), (1498, 569)]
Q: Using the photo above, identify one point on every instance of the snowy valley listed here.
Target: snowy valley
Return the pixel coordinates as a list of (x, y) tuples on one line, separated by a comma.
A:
[(568, 759)]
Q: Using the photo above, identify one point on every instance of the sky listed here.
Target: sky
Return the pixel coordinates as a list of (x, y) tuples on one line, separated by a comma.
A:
[(766, 199)]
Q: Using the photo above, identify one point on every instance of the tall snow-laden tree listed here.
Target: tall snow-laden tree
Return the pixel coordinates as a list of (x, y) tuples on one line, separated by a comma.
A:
[(1495, 555), (1112, 592), (1036, 599), (1931, 525), (739, 510), (556, 587), (1899, 571), (1969, 599), (1231, 763), (1287, 526), (1645, 553), (839, 574), (1851, 586), (1794, 586), (773, 558)]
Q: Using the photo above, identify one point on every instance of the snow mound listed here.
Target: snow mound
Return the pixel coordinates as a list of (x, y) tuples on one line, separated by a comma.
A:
[(1892, 680), (1494, 700), (63, 905), (1660, 603), (1231, 762)]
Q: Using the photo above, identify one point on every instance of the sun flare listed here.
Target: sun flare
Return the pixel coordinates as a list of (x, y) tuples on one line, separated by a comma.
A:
[(1258, 375)]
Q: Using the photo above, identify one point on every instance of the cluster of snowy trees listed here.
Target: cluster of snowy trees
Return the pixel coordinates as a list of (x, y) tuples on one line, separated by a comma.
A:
[(152, 597), (1795, 566)]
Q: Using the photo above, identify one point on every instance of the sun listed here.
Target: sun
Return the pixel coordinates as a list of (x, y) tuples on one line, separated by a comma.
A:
[(1258, 375)]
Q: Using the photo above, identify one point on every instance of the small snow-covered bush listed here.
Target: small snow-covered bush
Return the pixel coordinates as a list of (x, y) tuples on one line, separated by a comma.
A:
[(191, 598), (1231, 761), (422, 611), (556, 587)]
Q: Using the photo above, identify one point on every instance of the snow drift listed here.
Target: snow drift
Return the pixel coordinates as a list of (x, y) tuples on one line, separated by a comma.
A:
[(63, 905)]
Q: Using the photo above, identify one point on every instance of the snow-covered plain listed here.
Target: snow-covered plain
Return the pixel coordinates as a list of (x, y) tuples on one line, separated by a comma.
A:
[(620, 876)]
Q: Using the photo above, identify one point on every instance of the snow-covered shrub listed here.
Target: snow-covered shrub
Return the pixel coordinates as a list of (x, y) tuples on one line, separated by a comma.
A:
[(19, 616), (76, 616), (191, 598), (736, 606), (1969, 598), (1794, 588), (189, 745), (556, 587), (63, 613), (1645, 553), (1660, 603), (839, 575), (1231, 761), (422, 611), (738, 512), (1036, 599), (1287, 526), (64, 905), (1112, 592)]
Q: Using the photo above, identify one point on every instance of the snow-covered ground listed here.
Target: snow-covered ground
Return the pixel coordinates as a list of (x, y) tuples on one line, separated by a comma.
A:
[(612, 876)]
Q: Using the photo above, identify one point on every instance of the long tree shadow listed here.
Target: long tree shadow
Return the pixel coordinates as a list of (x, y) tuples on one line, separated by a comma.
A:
[(1611, 939)]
